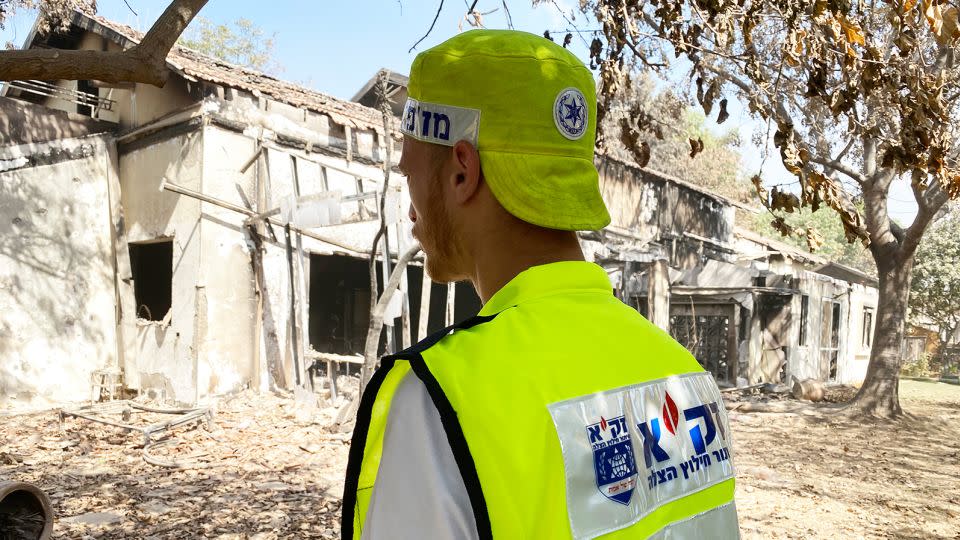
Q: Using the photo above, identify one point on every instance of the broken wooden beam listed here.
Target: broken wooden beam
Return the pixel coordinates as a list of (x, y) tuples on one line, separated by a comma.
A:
[(169, 186), (339, 358)]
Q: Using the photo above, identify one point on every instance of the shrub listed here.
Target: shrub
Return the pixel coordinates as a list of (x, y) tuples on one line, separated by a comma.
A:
[(919, 368)]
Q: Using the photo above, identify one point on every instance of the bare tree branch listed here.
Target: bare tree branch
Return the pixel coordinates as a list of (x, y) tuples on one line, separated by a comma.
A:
[(435, 17), (883, 240), (376, 317), (835, 165), (144, 63), (870, 157), (156, 44), (929, 201), (131, 8), (509, 17), (54, 64), (729, 77)]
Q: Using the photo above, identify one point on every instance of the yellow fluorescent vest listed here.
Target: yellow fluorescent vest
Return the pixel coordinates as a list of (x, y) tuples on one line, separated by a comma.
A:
[(569, 415)]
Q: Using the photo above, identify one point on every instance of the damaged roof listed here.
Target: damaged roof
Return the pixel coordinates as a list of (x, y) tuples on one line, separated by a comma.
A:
[(196, 66), (819, 264)]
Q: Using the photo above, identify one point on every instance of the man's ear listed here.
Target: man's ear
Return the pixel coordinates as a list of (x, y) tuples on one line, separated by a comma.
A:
[(465, 175)]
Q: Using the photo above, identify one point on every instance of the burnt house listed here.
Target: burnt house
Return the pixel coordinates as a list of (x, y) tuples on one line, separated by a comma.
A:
[(215, 234), (751, 309), (195, 239)]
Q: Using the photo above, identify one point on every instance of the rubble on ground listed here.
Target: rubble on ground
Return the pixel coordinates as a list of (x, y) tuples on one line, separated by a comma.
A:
[(268, 467)]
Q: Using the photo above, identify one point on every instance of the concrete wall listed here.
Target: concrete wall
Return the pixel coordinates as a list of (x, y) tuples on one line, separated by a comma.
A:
[(633, 203), (231, 352), (57, 303), (685, 210), (22, 122), (653, 207), (808, 361), (221, 335), (228, 317), (166, 351), (853, 365), (145, 102)]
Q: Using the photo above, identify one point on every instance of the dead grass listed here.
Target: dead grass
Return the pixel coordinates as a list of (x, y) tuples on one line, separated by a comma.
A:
[(828, 476)]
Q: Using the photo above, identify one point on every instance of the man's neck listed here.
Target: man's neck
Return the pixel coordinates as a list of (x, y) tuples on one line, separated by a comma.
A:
[(499, 261)]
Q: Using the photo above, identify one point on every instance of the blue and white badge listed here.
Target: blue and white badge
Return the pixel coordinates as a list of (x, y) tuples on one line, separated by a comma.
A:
[(570, 113), (613, 458)]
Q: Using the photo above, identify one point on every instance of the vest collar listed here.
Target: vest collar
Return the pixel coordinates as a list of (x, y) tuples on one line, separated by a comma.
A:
[(546, 280)]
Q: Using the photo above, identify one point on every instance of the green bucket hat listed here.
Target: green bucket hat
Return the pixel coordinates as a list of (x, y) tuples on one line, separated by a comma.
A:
[(530, 108)]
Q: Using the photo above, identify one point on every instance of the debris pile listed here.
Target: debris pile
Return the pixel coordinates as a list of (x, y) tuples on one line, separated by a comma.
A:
[(265, 467), (771, 397)]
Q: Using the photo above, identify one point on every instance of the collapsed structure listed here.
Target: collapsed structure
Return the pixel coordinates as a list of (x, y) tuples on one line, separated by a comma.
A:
[(215, 234)]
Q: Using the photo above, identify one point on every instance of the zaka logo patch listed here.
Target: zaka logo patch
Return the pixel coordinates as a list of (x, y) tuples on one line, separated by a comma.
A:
[(613, 461), (628, 451)]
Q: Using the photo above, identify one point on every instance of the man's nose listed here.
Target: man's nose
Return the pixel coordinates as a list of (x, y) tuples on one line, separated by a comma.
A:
[(412, 213)]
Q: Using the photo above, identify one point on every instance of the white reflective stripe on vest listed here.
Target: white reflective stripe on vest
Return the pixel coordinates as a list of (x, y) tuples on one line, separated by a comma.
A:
[(720, 522), (631, 450)]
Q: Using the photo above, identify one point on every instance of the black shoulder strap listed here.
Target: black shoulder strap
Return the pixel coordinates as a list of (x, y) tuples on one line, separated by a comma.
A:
[(458, 443), (447, 416)]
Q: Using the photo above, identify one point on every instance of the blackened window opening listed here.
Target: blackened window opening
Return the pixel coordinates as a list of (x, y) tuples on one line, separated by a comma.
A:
[(804, 313), (466, 303), (340, 303), (87, 87), (706, 337), (152, 268)]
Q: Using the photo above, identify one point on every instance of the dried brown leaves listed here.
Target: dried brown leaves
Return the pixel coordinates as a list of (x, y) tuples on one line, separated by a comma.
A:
[(885, 76), (274, 472)]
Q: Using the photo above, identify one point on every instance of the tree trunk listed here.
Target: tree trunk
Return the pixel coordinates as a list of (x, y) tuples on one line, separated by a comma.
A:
[(145, 63), (880, 393), (348, 412), (370, 356)]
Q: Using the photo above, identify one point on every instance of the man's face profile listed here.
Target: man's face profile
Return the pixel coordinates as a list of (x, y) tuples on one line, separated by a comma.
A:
[(424, 165)]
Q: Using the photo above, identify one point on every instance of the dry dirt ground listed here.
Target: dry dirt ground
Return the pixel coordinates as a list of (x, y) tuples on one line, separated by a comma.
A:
[(273, 471), (824, 476), (268, 470)]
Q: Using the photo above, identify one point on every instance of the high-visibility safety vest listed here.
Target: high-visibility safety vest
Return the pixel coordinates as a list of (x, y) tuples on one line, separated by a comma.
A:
[(569, 416)]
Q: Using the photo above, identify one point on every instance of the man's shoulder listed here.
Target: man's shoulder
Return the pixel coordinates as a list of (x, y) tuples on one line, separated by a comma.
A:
[(536, 323), (443, 336)]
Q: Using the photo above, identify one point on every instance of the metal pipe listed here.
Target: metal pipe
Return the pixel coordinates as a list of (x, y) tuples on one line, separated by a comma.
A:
[(25, 511)]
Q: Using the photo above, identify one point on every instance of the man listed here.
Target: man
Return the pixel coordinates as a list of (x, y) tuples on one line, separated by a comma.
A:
[(557, 412)]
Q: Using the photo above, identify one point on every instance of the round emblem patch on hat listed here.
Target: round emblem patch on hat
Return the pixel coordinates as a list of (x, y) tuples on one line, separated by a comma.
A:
[(570, 113)]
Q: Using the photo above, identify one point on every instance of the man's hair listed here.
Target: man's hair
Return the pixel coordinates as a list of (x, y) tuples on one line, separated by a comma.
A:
[(439, 154)]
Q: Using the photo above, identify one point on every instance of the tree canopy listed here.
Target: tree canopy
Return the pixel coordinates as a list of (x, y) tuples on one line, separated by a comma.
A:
[(935, 294), (820, 233), (671, 131), (242, 43), (856, 95)]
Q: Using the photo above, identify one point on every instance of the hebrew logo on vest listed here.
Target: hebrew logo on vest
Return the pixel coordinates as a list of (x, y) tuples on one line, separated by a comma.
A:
[(613, 460), (632, 449), (700, 436)]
